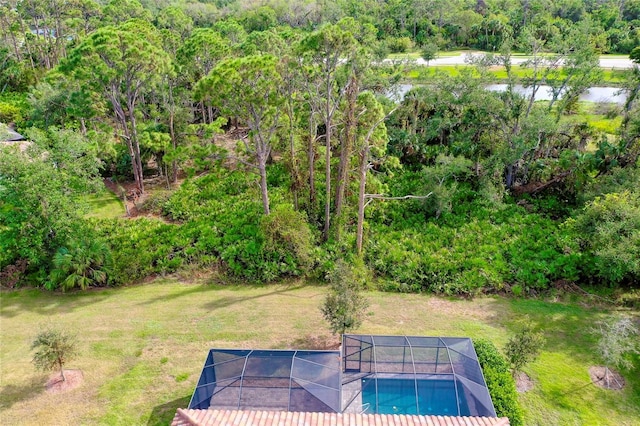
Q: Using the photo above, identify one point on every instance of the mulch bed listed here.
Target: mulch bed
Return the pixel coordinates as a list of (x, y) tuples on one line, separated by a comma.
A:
[(523, 382), (614, 382), (74, 378)]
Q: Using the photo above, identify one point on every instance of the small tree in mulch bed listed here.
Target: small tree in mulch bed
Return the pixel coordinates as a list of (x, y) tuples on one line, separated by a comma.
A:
[(523, 348), (54, 348), (618, 337)]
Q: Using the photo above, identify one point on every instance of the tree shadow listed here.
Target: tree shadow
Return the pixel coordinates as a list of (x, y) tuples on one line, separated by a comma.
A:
[(163, 414), (190, 289), (226, 301), (48, 303), (12, 393)]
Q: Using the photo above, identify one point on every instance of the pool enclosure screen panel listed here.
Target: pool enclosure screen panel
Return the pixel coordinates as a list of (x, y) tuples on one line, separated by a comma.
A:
[(269, 380), (413, 375)]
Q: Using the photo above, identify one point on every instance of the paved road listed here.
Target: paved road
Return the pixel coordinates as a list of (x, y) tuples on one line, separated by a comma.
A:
[(608, 63)]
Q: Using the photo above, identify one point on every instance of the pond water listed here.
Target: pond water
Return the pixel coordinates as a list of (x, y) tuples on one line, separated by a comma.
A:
[(594, 94)]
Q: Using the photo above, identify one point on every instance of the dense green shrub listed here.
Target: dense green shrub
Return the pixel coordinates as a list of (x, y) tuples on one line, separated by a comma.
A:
[(609, 229), (471, 250), (9, 113), (500, 383), (39, 208), (142, 247), (287, 235), (399, 44), (218, 223)]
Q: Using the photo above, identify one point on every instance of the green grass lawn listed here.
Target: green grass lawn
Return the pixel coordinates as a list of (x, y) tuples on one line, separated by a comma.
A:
[(142, 347), (104, 205), (424, 74)]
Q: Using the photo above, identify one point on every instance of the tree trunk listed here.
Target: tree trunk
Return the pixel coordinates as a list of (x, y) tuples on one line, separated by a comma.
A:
[(262, 167), (510, 177), (345, 146), (26, 44), (327, 156), (64, 379), (294, 165), (172, 133), (121, 116), (361, 200), (136, 149), (311, 157)]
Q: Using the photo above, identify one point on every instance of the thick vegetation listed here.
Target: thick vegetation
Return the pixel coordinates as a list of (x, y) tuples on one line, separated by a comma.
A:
[(272, 130), (500, 383)]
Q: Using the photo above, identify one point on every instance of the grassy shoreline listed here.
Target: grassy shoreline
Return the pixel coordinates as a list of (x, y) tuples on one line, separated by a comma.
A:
[(423, 74), (142, 347)]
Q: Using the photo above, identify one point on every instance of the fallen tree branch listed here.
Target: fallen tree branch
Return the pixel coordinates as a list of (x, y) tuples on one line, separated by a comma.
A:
[(405, 197)]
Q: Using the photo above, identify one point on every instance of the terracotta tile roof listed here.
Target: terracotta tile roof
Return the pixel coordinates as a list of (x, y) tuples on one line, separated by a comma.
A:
[(185, 417)]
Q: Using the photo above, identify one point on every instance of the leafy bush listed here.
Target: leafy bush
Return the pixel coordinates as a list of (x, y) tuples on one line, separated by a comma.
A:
[(287, 235), (500, 383), (10, 113), (40, 211), (617, 340), (609, 229), (155, 202), (399, 44)]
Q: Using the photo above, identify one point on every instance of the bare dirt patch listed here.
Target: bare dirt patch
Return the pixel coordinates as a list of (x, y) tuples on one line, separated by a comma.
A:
[(523, 382), (614, 381), (74, 378)]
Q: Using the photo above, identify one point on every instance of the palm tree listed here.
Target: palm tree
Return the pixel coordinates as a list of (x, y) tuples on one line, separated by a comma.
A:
[(83, 264)]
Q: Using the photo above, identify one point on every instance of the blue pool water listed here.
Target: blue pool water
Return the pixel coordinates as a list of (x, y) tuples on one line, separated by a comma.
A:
[(398, 396)]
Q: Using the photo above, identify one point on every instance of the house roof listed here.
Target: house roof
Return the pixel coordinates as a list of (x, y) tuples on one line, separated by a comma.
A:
[(286, 418), (11, 135)]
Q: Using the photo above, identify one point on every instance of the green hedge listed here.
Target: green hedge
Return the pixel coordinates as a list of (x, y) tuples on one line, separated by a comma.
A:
[(502, 387)]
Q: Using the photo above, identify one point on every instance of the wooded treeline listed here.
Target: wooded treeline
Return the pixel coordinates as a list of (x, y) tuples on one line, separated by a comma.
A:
[(272, 129)]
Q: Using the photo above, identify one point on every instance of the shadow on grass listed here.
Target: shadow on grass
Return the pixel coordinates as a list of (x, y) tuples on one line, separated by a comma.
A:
[(12, 393), (48, 303), (191, 289), (227, 301), (163, 414)]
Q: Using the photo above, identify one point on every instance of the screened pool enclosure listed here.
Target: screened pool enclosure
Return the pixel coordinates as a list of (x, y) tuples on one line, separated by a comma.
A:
[(413, 375), (269, 380), (371, 374)]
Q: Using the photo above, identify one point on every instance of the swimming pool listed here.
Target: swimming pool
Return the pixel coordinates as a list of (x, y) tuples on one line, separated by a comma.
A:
[(398, 396)]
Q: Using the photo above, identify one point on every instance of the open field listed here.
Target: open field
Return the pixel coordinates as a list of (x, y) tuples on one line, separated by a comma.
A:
[(104, 205), (142, 347)]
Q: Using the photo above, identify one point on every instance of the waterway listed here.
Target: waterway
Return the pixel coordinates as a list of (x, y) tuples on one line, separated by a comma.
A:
[(594, 94)]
